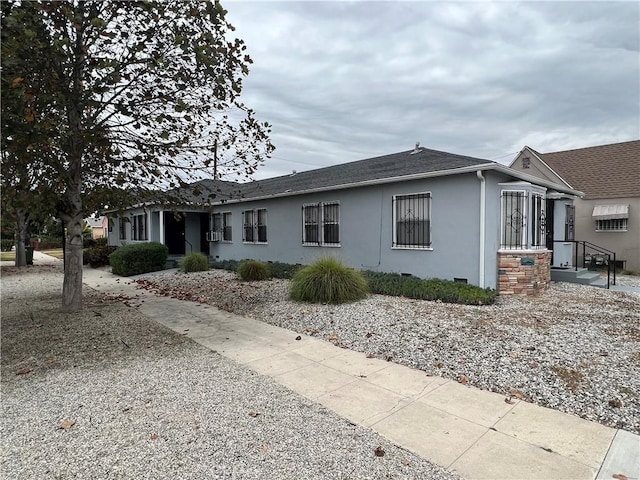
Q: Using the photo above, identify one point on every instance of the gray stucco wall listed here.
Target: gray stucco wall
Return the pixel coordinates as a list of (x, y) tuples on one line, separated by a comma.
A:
[(366, 229)]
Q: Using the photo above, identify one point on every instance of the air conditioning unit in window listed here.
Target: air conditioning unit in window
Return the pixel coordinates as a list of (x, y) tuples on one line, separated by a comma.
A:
[(214, 236)]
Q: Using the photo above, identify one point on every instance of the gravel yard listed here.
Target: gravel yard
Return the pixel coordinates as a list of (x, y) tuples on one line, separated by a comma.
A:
[(575, 348), (107, 393)]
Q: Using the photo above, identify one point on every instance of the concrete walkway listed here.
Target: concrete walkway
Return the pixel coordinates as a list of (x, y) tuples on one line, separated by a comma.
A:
[(467, 430)]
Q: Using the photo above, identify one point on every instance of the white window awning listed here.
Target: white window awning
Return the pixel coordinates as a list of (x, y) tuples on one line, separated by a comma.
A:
[(610, 212)]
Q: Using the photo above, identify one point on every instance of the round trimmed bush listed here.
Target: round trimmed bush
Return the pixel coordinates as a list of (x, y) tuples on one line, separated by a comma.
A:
[(195, 262), (251, 270), (328, 280)]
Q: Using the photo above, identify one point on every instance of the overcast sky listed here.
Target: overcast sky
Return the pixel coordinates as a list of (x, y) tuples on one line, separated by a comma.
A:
[(343, 81)]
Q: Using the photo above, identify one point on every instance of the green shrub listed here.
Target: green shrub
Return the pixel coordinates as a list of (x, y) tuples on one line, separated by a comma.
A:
[(139, 258), (50, 243), (88, 242), (102, 241), (250, 270), (6, 244), (195, 262), (328, 281), (229, 265), (98, 256), (432, 289), (283, 270)]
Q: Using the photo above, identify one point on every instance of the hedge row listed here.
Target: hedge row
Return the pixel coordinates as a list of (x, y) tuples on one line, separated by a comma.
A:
[(393, 284), (139, 258)]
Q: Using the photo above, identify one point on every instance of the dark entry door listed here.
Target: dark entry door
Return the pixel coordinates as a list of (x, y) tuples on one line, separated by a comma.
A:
[(549, 207), (204, 228), (174, 233)]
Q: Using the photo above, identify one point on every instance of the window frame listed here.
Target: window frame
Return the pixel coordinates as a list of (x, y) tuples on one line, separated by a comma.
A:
[(533, 218), (321, 224), (395, 244), (221, 222), (615, 225), (569, 223), (254, 226), (138, 225)]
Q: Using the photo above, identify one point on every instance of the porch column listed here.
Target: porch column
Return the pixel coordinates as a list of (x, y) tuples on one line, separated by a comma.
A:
[(161, 225)]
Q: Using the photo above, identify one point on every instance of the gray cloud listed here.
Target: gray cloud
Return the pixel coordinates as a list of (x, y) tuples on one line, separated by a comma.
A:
[(341, 81)]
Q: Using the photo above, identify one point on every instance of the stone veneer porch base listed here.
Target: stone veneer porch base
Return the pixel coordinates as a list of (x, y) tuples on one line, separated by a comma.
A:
[(524, 272)]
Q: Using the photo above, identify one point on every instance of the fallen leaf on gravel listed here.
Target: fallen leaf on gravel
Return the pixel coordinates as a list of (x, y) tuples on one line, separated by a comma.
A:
[(23, 371), (616, 403), (265, 447), (154, 436), (388, 358), (406, 462), (438, 364), (253, 414), (370, 355), (379, 452), (369, 335), (519, 395), (509, 400), (67, 424), (333, 338), (620, 476), (298, 337), (463, 379)]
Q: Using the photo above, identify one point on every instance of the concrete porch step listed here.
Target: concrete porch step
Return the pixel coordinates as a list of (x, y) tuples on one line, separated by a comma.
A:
[(582, 276)]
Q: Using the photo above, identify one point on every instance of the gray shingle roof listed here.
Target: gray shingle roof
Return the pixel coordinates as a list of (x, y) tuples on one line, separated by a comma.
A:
[(385, 167)]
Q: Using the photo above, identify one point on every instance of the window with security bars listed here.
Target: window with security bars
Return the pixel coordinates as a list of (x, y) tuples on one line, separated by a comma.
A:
[(412, 220), (538, 221), (122, 232), (321, 223), (139, 227), (523, 220), (254, 224), (569, 223), (221, 222), (612, 225)]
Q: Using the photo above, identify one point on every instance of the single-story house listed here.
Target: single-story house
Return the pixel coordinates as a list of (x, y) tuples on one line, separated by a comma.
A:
[(99, 226), (422, 212), (608, 216)]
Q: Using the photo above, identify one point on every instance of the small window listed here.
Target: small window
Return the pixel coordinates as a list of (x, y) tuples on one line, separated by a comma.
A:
[(612, 225), (254, 223), (412, 221), (221, 222), (122, 232), (569, 223), (139, 227), (226, 227), (321, 224), (526, 162)]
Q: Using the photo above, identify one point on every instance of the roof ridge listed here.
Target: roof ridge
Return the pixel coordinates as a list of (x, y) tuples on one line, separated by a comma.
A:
[(588, 148)]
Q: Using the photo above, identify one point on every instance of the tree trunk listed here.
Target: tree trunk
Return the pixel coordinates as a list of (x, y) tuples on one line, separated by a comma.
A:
[(72, 285), (20, 237)]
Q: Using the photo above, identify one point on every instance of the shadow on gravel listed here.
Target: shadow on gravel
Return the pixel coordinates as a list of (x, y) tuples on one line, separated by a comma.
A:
[(37, 337)]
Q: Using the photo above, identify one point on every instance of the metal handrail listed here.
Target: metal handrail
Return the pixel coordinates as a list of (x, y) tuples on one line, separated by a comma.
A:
[(599, 250)]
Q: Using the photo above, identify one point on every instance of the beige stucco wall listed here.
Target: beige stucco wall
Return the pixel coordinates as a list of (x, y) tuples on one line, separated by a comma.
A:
[(625, 244)]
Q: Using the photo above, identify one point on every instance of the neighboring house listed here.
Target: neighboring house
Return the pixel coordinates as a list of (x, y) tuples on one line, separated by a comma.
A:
[(99, 226), (609, 214), (420, 212)]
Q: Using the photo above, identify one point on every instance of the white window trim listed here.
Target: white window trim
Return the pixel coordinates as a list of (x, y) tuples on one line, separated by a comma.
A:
[(321, 223), (528, 230), (395, 227), (255, 226), (223, 225)]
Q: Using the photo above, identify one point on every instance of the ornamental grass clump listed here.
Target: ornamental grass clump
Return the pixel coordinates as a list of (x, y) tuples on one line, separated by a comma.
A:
[(195, 262), (328, 281), (252, 270)]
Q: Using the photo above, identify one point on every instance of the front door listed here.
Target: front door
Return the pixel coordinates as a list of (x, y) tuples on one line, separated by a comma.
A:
[(549, 207), (174, 225)]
